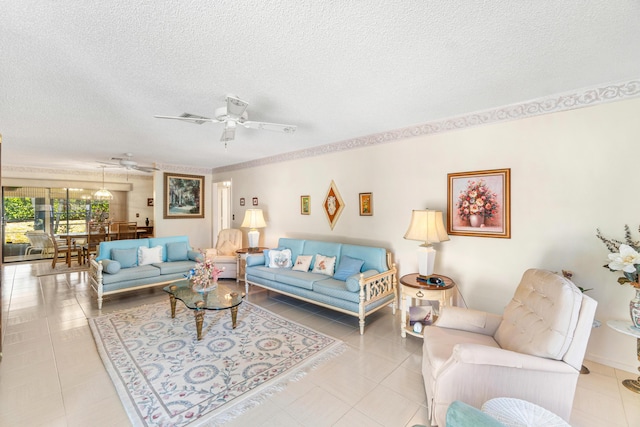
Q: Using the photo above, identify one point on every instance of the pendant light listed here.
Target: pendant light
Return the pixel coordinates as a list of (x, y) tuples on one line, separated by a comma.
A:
[(103, 193)]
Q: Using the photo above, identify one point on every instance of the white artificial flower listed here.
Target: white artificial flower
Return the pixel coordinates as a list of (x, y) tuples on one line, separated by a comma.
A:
[(626, 260)]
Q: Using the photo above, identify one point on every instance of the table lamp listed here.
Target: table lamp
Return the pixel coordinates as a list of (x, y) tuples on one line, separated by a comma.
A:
[(253, 219), (426, 226)]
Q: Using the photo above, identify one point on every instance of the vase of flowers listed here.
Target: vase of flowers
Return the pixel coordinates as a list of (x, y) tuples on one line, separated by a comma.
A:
[(204, 275), (477, 203), (625, 258)]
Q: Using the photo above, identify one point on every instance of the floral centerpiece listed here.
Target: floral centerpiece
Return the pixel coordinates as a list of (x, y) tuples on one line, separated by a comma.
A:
[(477, 199), (204, 275), (625, 258)]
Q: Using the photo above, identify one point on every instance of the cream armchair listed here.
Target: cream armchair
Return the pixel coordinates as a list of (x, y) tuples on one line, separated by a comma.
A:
[(224, 254), (534, 351)]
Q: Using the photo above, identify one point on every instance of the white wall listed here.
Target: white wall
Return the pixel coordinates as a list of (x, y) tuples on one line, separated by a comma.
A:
[(571, 172)]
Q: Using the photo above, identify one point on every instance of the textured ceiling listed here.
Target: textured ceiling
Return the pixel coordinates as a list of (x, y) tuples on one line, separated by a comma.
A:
[(80, 81)]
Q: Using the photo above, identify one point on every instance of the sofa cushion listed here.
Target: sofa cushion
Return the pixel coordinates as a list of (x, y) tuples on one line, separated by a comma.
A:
[(110, 266), (133, 273), (541, 318), (336, 289), (163, 241), (348, 267), (298, 279), (280, 259), (174, 267), (262, 272), (149, 255), (104, 249), (126, 257), (324, 265), (303, 262), (353, 282), (177, 251)]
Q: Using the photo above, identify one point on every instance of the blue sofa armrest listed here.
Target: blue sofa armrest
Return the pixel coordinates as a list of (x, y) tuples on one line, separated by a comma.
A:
[(255, 259)]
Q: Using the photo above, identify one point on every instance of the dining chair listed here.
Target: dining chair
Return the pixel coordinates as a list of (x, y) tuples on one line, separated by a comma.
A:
[(95, 234), (61, 246), (127, 230)]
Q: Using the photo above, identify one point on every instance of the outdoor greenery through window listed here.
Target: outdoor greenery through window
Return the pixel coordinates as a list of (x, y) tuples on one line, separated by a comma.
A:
[(57, 210)]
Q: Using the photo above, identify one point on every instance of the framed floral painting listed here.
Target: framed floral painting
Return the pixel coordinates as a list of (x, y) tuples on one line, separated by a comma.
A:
[(479, 203), (333, 204), (366, 204)]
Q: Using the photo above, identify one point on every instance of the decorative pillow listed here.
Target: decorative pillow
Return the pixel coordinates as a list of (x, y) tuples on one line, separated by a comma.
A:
[(353, 282), (227, 248), (110, 266), (324, 265), (177, 251), (303, 262), (149, 255), (126, 257), (348, 267), (280, 259)]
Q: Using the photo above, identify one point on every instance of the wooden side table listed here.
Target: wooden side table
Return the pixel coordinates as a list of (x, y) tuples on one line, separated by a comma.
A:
[(241, 260), (625, 327), (411, 288)]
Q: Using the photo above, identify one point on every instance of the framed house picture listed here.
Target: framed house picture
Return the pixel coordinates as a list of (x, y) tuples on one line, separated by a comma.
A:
[(183, 195), (255, 201), (241, 201), (479, 203), (366, 204), (150, 201), (305, 205)]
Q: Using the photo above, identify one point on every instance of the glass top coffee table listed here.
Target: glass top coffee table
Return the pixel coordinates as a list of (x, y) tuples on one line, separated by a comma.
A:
[(221, 297)]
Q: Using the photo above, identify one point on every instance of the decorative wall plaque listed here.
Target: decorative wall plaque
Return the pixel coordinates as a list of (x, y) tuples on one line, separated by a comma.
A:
[(333, 204)]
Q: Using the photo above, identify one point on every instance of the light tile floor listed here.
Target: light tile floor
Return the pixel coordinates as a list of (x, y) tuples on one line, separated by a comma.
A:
[(51, 374)]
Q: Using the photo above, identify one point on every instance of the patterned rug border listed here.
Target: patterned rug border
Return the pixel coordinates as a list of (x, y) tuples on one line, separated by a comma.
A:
[(248, 401)]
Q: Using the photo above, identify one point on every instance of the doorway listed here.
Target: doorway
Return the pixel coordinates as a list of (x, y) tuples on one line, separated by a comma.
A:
[(222, 207)]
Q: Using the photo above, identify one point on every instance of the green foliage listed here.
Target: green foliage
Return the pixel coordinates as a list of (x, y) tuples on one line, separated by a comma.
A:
[(17, 208)]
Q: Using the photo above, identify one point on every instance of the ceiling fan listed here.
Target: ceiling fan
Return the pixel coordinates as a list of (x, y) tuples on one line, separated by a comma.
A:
[(128, 163), (235, 113)]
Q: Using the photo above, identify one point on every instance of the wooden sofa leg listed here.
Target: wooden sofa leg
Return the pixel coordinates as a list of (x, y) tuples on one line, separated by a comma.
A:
[(361, 326)]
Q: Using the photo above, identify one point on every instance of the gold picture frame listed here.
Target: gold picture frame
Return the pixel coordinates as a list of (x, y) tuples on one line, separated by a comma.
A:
[(366, 204), (183, 196), (333, 204), (479, 203), (305, 205)]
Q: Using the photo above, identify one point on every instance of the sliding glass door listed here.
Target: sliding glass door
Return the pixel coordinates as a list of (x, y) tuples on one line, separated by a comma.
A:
[(31, 214)]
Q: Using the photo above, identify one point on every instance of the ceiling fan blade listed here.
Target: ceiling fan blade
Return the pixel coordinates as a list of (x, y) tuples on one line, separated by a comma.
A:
[(191, 118), (276, 127), (145, 168), (229, 133), (115, 165), (236, 106)]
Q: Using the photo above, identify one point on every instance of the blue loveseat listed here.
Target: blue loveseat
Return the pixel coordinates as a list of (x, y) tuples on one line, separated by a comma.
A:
[(360, 282), (123, 265)]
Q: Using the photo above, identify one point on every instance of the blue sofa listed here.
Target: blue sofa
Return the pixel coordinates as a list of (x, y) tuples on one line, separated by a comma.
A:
[(121, 265), (361, 281)]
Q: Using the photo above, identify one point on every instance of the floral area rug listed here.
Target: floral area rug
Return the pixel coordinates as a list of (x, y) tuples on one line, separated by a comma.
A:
[(166, 377)]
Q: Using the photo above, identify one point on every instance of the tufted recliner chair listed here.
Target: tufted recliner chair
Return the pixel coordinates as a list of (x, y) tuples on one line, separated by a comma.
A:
[(534, 351), (224, 254)]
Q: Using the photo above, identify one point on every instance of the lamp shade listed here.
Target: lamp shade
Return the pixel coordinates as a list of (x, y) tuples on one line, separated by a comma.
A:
[(253, 218), (426, 226)]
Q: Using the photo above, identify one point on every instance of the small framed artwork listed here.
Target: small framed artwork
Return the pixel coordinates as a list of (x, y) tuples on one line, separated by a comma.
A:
[(333, 204), (241, 201), (479, 203), (183, 195), (366, 204), (255, 201), (150, 201), (305, 205)]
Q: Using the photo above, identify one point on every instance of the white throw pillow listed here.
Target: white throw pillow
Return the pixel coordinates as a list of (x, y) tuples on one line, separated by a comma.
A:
[(280, 259), (149, 255), (303, 262), (324, 265)]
